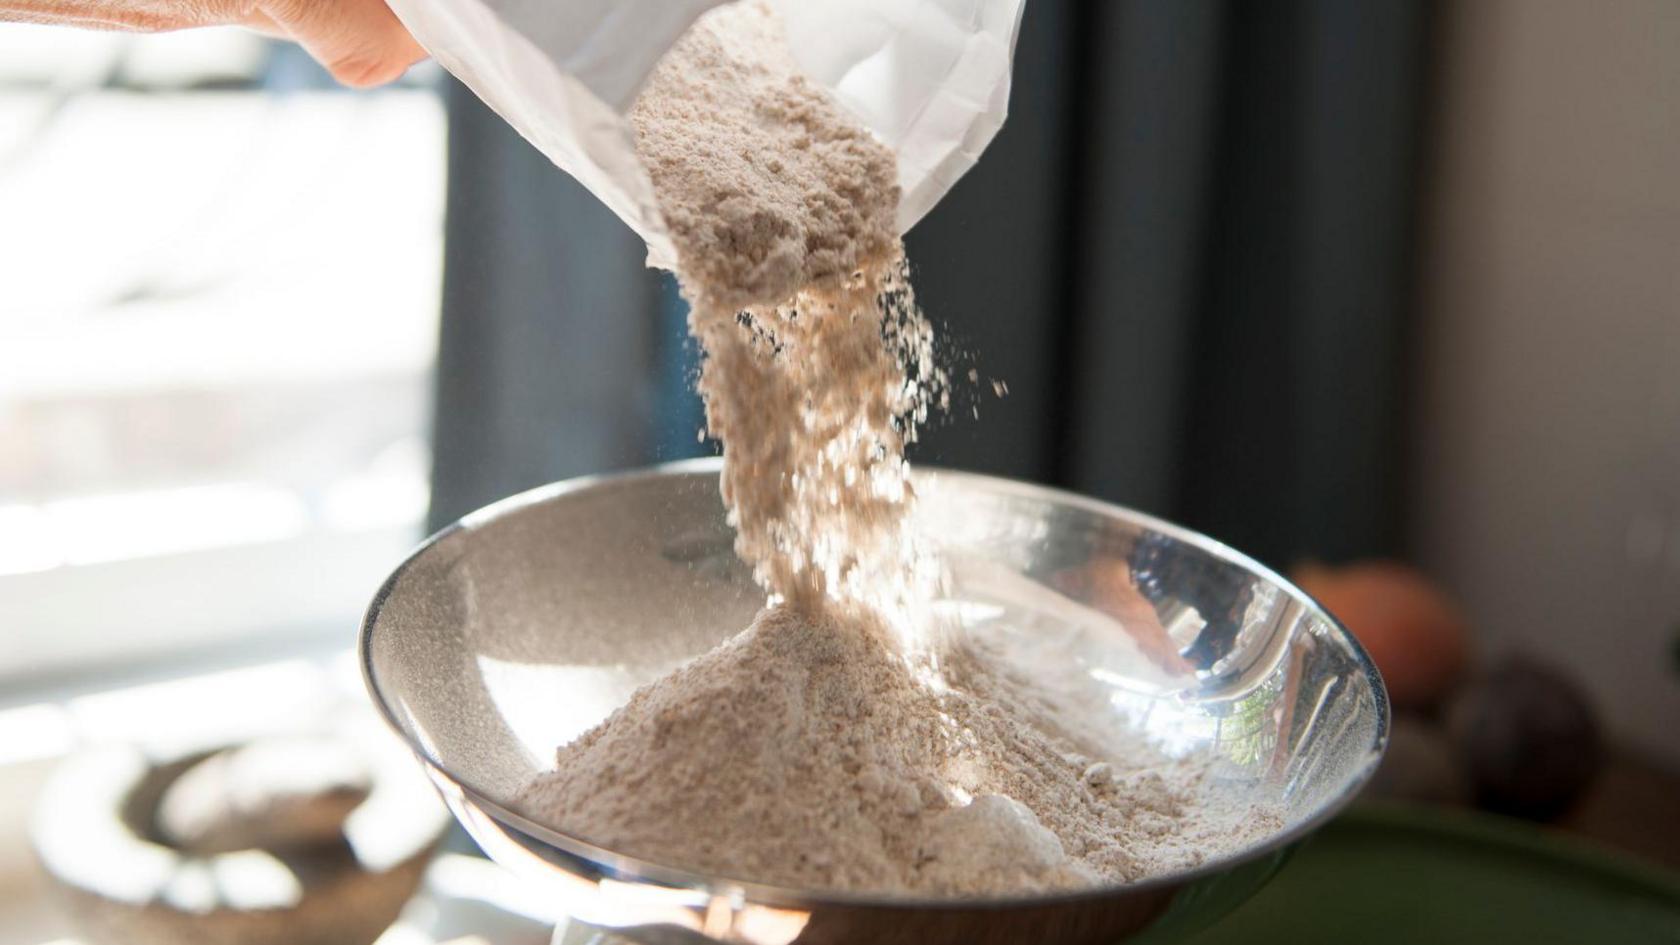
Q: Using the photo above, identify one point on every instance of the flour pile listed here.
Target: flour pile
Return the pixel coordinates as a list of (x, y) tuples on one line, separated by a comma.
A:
[(816, 749), (804, 753)]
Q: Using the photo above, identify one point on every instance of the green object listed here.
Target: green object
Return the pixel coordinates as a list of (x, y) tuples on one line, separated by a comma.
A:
[(1386, 873)]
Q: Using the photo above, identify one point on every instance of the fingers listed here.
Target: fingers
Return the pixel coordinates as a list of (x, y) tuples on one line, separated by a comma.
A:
[(361, 42)]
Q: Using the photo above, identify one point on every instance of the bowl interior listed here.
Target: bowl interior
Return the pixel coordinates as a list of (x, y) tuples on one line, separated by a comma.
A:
[(532, 620)]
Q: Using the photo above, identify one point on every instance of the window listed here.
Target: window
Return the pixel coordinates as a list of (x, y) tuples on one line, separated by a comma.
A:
[(219, 283)]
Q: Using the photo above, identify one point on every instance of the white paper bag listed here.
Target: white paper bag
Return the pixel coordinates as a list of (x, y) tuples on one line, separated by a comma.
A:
[(929, 77)]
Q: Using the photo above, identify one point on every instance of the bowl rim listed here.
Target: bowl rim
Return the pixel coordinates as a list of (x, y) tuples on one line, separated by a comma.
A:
[(623, 867)]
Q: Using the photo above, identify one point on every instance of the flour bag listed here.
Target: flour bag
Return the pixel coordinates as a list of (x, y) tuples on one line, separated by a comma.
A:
[(929, 77)]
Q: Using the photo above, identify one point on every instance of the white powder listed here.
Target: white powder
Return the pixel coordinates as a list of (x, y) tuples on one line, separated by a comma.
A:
[(806, 752), (767, 186), (814, 750)]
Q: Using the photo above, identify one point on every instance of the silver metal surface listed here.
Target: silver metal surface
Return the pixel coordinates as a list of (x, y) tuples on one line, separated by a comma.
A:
[(528, 622)]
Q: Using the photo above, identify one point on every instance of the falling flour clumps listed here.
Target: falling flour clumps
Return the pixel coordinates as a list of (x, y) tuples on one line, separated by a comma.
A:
[(817, 749), (818, 366)]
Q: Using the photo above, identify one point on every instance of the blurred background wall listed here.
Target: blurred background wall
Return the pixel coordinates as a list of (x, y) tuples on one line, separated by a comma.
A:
[(1546, 442)]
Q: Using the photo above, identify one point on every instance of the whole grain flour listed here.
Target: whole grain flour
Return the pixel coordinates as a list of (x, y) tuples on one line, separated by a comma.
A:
[(818, 366), (819, 748)]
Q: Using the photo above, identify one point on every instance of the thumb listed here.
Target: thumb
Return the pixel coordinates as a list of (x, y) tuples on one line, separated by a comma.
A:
[(361, 42)]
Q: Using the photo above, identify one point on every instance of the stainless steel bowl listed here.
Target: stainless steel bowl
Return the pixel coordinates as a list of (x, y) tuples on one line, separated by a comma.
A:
[(527, 622)]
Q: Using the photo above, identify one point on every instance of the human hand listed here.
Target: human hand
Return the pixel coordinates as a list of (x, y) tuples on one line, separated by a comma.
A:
[(359, 41)]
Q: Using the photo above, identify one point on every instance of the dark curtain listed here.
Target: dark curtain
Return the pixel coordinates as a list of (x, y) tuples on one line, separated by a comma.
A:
[(1187, 254), (548, 352)]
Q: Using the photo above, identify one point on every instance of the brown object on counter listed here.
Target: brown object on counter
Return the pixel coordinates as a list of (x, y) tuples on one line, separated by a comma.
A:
[(216, 848), (1529, 738), (280, 794)]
